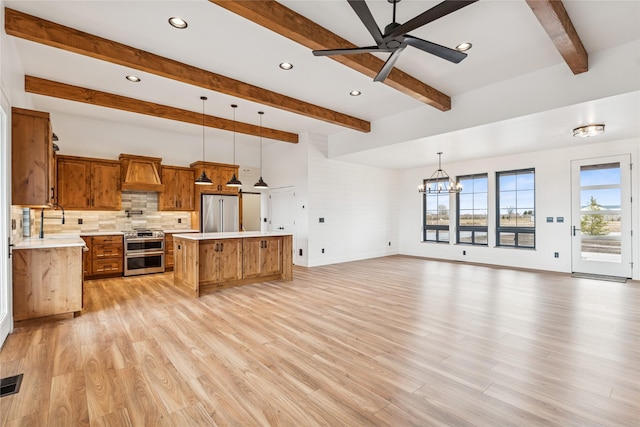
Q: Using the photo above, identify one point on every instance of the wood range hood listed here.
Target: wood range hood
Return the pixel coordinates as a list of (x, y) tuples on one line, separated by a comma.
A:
[(140, 173)]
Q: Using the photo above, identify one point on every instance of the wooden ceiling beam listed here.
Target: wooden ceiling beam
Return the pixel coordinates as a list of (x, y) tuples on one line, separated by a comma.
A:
[(49, 33), (284, 21), (103, 99), (556, 22)]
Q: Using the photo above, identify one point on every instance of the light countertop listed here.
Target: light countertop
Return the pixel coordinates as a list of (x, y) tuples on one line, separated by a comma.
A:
[(180, 231), (230, 235), (60, 241)]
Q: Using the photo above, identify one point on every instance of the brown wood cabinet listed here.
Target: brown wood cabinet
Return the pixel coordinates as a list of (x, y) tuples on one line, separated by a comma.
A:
[(32, 158), (47, 281), (219, 173), (262, 256), (86, 183), (220, 260), (105, 256), (179, 189)]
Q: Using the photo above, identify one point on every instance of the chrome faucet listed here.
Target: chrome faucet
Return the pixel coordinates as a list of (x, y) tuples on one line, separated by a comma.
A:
[(53, 205)]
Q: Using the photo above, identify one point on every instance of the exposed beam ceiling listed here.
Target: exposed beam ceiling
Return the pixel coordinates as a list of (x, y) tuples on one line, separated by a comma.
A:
[(38, 30), (94, 97), (282, 20), (556, 22)]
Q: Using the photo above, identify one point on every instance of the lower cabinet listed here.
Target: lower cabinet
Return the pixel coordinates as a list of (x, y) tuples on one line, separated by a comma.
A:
[(105, 256), (169, 249), (46, 281), (220, 260), (262, 256)]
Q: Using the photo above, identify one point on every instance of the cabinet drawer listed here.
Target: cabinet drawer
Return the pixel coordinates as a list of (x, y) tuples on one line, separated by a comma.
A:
[(107, 251), (111, 265), (114, 239)]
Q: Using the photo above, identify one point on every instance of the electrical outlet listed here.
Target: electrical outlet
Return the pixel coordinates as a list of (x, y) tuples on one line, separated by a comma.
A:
[(300, 252), (80, 221), (556, 254), (179, 220), (464, 252), (321, 219), (389, 243), (13, 224), (322, 250)]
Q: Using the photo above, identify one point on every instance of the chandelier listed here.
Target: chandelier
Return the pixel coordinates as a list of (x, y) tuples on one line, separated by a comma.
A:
[(439, 182)]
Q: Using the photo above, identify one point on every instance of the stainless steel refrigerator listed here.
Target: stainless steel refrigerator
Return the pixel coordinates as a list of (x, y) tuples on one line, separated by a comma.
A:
[(218, 213)]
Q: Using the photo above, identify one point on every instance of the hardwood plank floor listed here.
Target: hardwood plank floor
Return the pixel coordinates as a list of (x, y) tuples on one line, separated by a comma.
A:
[(393, 341)]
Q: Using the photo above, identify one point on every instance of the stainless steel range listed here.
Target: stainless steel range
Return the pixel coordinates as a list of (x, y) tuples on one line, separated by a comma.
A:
[(143, 252)]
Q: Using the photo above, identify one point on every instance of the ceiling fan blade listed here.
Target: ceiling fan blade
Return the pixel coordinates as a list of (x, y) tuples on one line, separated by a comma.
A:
[(362, 10), (436, 12), (443, 52), (388, 66), (349, 51)]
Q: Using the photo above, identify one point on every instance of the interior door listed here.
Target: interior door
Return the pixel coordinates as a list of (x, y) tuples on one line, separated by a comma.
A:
[(282, 211), (601, 216)]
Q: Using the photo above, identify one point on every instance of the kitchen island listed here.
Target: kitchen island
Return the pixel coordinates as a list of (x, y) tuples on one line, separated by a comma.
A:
[(47, 277), (213, 261)]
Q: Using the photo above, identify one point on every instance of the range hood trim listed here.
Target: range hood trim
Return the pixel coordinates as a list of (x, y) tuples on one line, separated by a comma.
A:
[(141, 173)]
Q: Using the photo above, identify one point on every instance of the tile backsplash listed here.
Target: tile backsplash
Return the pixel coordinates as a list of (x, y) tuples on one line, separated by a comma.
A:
[(139, 210)]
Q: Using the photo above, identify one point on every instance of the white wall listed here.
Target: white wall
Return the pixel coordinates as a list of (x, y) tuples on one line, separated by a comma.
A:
[(553, 198), (359, 205)]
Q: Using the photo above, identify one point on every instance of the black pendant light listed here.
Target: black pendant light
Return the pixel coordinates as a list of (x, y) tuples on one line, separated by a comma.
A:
[(203, 179), (234, 181), (260, 184)]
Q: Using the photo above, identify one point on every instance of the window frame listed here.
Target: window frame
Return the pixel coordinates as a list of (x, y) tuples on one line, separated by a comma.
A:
[(437, 228), (472, 228), (515, 230)]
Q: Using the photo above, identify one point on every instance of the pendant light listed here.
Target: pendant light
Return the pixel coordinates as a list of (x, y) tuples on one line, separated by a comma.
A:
[(260, 184), (203, 179), (234, 182)]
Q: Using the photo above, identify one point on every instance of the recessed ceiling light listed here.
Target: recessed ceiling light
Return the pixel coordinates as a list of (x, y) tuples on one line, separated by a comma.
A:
[(132, 78), (355, 93), (286, 65), (462, 47), (177, 22), (588, 130)]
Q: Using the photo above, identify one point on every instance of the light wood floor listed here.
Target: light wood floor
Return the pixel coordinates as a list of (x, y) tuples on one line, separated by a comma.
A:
[(395, 341)]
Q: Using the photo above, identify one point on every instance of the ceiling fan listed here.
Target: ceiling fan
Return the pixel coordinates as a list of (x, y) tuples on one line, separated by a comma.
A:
[(395, 37)]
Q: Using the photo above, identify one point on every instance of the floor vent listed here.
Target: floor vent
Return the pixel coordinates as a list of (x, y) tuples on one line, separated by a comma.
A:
[(599, 277), (10, 385)]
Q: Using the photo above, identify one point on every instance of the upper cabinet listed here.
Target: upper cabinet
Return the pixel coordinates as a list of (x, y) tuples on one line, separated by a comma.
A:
[(219, 173), (85, 183), (178, 194), (32, 158)]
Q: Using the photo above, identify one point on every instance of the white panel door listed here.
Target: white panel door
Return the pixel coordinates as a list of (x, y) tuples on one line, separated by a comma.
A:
[(601, 216), (282, 212)]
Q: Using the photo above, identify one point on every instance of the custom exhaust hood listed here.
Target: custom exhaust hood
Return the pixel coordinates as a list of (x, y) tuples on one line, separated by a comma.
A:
[(140, 173)]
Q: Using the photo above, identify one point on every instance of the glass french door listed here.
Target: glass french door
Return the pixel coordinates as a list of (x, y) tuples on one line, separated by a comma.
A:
[(601, 216)]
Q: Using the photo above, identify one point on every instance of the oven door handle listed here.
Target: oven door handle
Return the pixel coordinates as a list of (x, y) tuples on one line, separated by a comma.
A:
[(144, 239), (142, 254)]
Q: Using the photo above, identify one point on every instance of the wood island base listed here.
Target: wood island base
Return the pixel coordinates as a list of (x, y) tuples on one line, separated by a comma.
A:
[(214, 261)]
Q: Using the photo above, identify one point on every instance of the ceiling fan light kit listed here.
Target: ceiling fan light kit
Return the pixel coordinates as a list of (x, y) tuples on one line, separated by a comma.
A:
[(396, 38)]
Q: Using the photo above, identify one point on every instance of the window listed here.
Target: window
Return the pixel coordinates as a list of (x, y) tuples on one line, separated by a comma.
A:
[(435, 217), (472, 210), (516, 209)]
